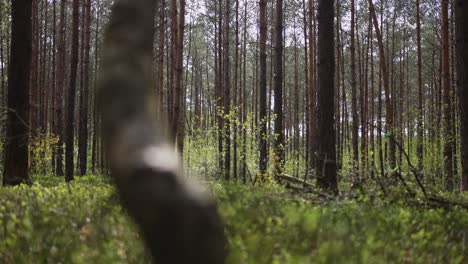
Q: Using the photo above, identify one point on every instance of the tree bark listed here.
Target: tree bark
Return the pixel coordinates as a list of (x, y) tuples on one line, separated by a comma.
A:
[(143, 163), (312, 89), (326, 162), (355, 126), (263, 136), (420, 127), (16, 169), (59, 106), (449, 140), (227, 90), (278, 90), (69, 130), (84, 102), (179, 109), (386, 84), (461, 9)]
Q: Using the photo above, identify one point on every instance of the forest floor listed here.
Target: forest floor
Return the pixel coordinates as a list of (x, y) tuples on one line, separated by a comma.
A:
[(82, 222)]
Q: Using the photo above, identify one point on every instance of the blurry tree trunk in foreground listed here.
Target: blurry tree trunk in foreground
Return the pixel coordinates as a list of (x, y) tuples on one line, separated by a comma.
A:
[(326, 159), (461, 9), (178, 221), (16, 148)]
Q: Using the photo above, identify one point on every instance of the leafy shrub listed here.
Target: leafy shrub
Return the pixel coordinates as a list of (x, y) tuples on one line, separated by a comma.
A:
[(82, 222)]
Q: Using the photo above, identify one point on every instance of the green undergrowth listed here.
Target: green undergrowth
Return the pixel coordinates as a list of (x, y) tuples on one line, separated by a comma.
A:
[(82, 222)]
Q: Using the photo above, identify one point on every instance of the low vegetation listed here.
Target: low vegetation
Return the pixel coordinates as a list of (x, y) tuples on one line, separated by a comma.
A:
[(82, 222)]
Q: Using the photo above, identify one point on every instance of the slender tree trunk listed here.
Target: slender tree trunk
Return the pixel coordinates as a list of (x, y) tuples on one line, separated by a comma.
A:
[(2, 70), (461, 9), (53, 123), (312, 89), (355, 126), (420, 128), (84, 97), (337, 85), (179, 110), (295, 105), (263, 136), (69, 130), (161, 52), (449, 140), (306, 126), (326, 163), (33, 79), (16, 169), (60, 88), (236, 91), (386, 84), (227, 89), (96, 126), (244, 99), (278, 90), (218, 80)]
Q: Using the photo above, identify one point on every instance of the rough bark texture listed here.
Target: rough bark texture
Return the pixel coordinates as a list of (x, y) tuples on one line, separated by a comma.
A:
[(326, 162), (16, 149), (461, 9), (178, 221)]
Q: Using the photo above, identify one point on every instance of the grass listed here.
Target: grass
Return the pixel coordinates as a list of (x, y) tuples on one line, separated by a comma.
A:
[(53, 222)]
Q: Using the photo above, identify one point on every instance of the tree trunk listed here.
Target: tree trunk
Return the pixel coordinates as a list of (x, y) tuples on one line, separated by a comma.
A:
[(143, 163), (312, 89), (420, 128), (179, 110), (326, 162), (61, 72), (386, 84), (84, 101), (355, 126), (16, 169), (69, 130), (278, 90), (263, 136), (162, 41), (227, 90), (449, 140), (461, 9)]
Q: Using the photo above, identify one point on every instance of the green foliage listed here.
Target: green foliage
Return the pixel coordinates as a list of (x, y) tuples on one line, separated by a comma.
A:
[(52, 222), (41, 148), (271, 226)]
